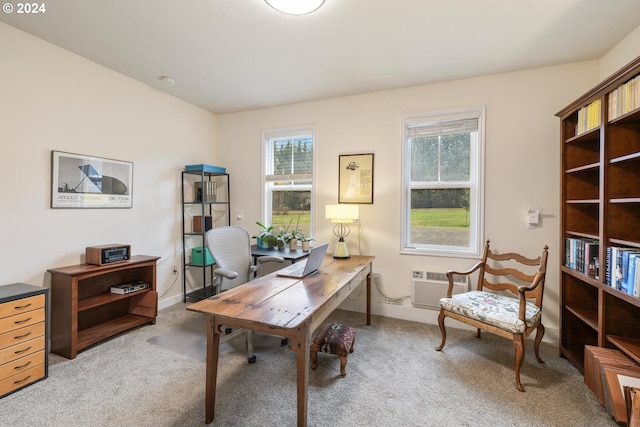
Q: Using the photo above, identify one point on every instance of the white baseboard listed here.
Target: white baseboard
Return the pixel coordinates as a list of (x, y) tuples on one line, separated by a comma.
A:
[(168, 302)]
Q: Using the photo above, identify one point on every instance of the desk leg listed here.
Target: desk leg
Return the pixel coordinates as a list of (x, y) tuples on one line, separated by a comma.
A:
[(369, 299), (302, 372), (213, 347)]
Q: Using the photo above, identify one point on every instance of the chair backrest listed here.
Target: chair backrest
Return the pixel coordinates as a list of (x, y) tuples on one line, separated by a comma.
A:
[(230, 248), (509, 271)]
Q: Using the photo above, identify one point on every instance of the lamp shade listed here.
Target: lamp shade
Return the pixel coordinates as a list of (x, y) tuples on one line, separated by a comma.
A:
[(342, 214), (295, 7)]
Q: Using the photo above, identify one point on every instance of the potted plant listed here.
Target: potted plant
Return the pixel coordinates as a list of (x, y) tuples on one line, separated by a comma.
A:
[(290, 238), (267, 237), (304, 239), (280, 239)]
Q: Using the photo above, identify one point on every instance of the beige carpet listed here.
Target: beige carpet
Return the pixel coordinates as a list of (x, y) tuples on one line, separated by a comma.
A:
[(154, 376)]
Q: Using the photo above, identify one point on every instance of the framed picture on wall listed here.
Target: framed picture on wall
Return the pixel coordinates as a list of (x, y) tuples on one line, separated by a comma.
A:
[(355, 178), (81, 181)]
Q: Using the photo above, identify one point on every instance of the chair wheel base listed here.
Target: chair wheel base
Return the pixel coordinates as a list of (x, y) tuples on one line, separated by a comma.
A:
[(284, 341), (252, 359)]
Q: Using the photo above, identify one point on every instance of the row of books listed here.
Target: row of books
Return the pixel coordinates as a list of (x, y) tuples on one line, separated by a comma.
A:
[(208, 194), (582, 255), (624, 98), (622, 267), (623, 270), (606, 372), (589, 117)]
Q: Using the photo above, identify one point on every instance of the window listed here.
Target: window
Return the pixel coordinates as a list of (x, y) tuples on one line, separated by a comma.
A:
[(443, 166), (288, 179)]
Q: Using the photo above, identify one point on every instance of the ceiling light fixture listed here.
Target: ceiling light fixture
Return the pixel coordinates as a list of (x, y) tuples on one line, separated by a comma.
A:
[(295, 7)]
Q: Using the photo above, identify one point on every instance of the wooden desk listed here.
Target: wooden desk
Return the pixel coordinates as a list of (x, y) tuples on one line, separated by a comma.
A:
[(291, 308)]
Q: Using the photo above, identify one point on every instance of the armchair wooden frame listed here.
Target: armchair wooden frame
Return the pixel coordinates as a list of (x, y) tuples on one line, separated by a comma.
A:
[(524, 286)]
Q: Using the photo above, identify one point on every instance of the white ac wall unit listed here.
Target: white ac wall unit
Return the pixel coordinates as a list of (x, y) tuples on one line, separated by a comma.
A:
[(427, 287)]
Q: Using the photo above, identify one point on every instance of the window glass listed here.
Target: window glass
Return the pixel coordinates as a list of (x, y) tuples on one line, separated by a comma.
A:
[(288, 180), (442, 200)]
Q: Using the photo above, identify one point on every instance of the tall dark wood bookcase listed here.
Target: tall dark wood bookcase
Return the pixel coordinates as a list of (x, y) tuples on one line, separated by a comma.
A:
[(600, 190)]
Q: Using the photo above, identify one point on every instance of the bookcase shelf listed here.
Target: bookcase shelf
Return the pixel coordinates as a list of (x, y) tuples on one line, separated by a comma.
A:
[(600, 190)]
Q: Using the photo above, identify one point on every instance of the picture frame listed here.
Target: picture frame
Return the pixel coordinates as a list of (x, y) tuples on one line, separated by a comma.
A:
[(355, 178), (82, 181)]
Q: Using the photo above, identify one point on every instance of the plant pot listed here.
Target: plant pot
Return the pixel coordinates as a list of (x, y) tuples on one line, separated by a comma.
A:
[(305, 246), (280, 245), (293, 244)]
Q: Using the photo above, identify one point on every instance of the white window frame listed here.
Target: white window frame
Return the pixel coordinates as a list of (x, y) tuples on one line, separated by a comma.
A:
[(476, 186), (267, 189)]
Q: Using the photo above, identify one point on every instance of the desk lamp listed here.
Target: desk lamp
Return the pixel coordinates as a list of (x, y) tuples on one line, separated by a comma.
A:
[(341, 216)]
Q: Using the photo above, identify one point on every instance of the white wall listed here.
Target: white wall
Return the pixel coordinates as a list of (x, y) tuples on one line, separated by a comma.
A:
[(51, 99), (522, 166), (626, 51)]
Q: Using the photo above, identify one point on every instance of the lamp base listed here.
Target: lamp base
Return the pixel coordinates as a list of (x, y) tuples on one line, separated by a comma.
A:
[(341, 250)]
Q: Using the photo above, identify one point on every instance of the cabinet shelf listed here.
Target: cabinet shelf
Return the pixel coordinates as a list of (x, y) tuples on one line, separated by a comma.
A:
[(629, 346), (630, 117), (589, 135), (590, 317), (626, 200), (105, 298), (95, 334), (583, 202), (600, 204), (593, 167)]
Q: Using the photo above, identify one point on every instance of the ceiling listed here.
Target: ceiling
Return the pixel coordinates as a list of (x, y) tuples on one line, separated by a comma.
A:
[(236, 55)]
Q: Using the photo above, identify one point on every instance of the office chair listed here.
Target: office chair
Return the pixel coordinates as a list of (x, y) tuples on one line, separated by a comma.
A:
[(230, 248)]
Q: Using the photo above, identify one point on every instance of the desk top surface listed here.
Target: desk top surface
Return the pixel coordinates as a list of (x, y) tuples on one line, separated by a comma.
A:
[(282, 302)]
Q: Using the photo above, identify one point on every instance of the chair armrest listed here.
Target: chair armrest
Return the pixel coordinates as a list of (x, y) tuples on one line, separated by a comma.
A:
[(522, 296), (226, 273), (264, 259), (450, 274)]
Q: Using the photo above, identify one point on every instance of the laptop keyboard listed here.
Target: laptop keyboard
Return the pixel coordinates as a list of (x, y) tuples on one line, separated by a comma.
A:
[(295, 269)]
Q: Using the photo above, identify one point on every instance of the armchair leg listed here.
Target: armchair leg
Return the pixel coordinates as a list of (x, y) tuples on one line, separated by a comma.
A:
[(538, 340), (443, 331), (479, 333), (518, 343)]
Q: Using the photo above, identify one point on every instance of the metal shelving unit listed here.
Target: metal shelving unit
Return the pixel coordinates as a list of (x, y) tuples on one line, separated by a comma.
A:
[(204, 195)]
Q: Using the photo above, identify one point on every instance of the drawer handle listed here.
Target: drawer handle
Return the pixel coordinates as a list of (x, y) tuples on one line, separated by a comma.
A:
[(22, 380), (22, 351), (17, 322), (19, 337), (23, 366), (22, 307)]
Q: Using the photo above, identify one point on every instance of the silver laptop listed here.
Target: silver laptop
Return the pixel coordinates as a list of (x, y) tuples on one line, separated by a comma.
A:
[(303, 268)]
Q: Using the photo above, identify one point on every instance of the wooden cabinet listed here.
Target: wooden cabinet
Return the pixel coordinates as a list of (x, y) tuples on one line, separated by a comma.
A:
[(205, 204), (600, 206), (85, 312), (23, 336)]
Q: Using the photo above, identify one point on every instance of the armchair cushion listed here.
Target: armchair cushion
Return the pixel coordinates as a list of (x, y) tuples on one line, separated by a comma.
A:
[(491, 308)]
